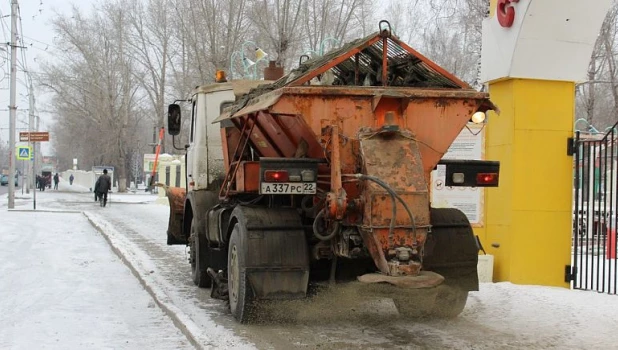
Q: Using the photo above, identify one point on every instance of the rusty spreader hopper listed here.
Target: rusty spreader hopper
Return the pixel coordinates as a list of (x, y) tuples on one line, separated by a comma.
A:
[(379, 116)]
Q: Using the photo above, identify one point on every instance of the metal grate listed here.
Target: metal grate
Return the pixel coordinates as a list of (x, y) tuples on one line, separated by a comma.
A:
[(361, 65), (405, 69), (595, 222)]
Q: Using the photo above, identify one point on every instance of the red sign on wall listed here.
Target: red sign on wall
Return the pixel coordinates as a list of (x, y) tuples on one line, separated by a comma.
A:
[(506, 12)]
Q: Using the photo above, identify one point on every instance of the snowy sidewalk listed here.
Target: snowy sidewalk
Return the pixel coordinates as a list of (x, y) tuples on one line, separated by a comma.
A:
[(61, 287)]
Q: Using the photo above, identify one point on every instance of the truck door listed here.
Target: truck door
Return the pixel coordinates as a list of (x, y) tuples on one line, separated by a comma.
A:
[(190, 151)]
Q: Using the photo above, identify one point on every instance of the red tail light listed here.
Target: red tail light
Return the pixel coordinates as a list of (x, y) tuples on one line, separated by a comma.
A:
[(487, 178), (276, 176)]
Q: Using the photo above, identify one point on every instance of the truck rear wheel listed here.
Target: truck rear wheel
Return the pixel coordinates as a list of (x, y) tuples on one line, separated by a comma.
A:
[(451, 249), (198, 252), (450, 302), (240, 294), (453, 253)]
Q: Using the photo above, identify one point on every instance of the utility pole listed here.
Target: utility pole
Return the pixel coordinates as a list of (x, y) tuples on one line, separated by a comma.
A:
[(37, 148), (30, 170), (12, 106), (32, 163)]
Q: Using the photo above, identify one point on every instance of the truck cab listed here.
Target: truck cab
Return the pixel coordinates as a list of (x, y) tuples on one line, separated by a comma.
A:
[(204, 160)]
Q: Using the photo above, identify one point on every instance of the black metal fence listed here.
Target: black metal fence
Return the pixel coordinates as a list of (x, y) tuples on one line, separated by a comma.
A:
[(594, 263)]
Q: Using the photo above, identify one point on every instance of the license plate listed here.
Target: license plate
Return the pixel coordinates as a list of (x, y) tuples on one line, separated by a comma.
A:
[(288, 188)]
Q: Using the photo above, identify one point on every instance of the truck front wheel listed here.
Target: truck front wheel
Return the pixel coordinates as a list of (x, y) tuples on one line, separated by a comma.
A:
[(241, 296), (198, 251)]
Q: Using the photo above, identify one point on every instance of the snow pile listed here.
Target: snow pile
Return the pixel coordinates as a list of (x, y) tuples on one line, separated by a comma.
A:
[(65, 186), (130, 197)]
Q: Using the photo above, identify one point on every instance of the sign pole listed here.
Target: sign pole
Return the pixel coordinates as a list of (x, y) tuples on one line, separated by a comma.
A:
[(30, 129), (12, 106), (33, 179), (33, 138)]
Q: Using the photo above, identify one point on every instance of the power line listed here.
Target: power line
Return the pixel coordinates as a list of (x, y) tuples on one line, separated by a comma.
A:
[(23, 51), (38, 41)]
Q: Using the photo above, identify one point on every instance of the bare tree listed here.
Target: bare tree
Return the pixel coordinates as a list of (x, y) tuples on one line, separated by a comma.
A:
[(407, 19), (277, 22), (453, 36), (4, 155), (329, 23), (93, 87), (597, 97), (149, 42), (208, 32), (608, 35)]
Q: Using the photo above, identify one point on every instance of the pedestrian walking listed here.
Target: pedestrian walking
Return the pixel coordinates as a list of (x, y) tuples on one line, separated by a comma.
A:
[(102, 187), (56, 180), (71, 178)]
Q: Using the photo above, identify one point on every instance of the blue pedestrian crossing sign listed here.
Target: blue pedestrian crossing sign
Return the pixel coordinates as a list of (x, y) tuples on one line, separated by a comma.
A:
[(24, 152)]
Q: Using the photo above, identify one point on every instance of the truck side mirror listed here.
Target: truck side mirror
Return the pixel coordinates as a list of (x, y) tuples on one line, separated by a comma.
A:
[(173, 119)]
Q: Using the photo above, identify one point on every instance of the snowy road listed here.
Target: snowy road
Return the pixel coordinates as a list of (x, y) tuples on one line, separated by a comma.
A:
[(500, 316), (62, 287)]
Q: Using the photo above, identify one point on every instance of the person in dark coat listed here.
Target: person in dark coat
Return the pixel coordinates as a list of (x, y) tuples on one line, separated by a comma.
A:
[(102, 186), (96, 189), (41, 182), (71, 178), (56, 180)]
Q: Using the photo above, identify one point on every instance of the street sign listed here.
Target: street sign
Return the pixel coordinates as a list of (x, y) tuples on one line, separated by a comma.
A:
[(33, 136), (23, 153)]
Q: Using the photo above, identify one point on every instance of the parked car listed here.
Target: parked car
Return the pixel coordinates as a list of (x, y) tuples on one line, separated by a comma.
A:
[(5, 180)]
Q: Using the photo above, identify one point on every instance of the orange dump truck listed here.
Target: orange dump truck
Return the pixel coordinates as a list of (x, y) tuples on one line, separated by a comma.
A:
[(323, 175)]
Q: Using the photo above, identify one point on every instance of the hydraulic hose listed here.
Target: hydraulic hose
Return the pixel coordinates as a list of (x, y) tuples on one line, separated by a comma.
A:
[(316, 230), (306, 203)]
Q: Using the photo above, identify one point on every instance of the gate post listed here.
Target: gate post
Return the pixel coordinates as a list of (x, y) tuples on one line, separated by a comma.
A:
[(611, 243), (531, 63)]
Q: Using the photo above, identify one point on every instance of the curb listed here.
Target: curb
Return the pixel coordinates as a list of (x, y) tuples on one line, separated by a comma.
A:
[(179, 318), (45, 211)]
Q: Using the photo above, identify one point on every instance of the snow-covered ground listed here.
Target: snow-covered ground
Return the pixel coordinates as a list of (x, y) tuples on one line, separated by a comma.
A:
[(61, 287), (499, 316)]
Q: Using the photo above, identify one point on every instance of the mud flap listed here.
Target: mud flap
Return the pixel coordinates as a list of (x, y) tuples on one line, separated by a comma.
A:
[(176, 197), (277, 258), (451, 249)]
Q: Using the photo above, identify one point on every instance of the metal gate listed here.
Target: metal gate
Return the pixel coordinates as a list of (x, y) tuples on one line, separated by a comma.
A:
[(594, 262)]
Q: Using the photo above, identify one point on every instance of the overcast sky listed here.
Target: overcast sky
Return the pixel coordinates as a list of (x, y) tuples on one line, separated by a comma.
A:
[(36, 17)]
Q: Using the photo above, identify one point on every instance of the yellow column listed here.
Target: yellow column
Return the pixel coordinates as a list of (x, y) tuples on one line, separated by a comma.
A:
[(528, 225)]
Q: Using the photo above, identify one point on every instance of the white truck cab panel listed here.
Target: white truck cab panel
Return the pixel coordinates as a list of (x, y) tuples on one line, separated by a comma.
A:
[(205, 154)]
